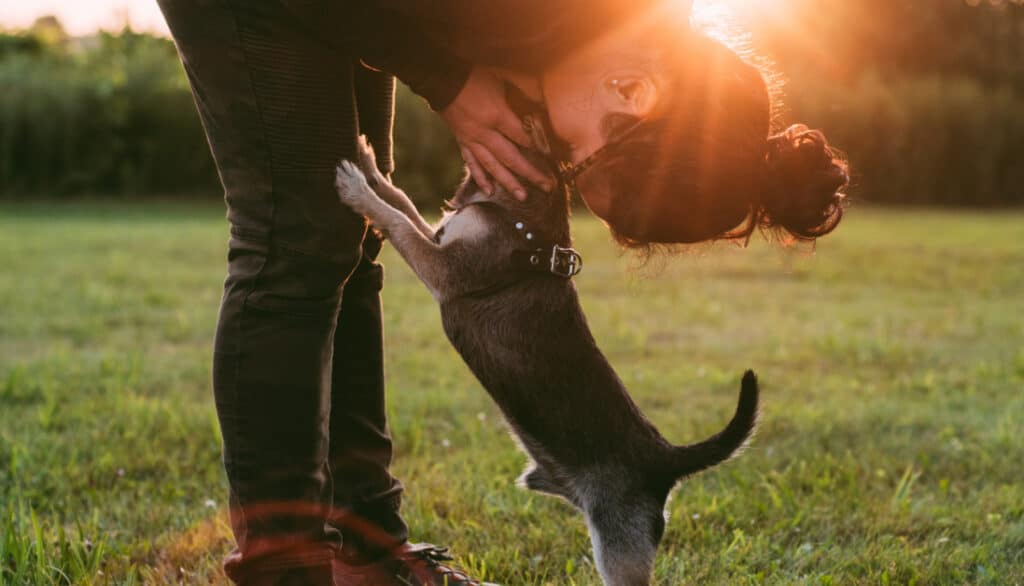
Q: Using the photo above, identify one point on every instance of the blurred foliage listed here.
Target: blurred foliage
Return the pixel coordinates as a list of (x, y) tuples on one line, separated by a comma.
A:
[(428, 165), (926, 98), (113, 114), (923, 140), (842, 40)]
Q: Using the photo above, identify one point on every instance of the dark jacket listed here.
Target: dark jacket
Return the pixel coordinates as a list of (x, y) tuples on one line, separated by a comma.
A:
[(431, 46)]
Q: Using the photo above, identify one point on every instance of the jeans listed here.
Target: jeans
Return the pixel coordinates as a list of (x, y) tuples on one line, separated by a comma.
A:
[(298, 355)]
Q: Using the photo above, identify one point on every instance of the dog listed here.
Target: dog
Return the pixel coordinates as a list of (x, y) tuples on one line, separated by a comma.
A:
[(501, 271)]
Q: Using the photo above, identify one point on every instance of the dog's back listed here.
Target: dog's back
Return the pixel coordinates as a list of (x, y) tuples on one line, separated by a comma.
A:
[(528, 342)]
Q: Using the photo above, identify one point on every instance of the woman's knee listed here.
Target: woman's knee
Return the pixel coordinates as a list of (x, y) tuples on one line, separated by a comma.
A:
[(277, 277)]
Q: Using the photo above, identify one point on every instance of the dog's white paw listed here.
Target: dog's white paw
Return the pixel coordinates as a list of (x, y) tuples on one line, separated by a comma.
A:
[(368, 162), (352, 187)]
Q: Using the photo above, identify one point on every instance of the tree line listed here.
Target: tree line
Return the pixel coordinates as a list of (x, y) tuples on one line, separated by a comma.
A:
[(925, 97)]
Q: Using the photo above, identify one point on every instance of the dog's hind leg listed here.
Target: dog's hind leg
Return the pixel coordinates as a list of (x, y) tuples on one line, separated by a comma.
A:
[(387, 191), (540, 479)]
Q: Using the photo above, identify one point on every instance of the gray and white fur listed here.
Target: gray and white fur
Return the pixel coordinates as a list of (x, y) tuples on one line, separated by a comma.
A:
[(526, 339)]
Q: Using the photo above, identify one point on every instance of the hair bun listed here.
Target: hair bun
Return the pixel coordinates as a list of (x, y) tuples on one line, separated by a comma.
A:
[(805, 180)]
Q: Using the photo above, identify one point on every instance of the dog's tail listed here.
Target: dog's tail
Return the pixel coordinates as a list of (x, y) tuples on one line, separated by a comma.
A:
[(726, 443)]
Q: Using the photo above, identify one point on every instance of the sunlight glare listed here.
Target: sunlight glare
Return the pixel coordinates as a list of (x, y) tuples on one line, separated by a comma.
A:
[(736, 23), (727, 17)]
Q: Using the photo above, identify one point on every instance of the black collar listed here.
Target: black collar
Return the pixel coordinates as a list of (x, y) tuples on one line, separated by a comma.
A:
[(537, 254), (552, 259), (544, 259), (534, 253)]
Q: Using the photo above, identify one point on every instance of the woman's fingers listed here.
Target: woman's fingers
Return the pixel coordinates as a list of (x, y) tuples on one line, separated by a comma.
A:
[(490, 135), (498, 171), (512, 128), (478, 173), (499, 159), (512, 159)]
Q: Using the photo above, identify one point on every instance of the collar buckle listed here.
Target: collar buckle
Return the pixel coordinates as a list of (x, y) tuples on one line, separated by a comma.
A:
[(565, 262)]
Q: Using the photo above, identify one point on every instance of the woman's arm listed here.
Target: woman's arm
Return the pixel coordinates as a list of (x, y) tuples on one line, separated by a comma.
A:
[(470, 100), (375, 102), (517, 34), (408, 53)]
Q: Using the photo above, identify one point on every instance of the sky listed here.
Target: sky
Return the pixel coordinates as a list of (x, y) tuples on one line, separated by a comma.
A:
[(84, 16)]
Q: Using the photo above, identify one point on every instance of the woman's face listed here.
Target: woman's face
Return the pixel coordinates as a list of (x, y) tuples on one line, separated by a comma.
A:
[(619, 73)]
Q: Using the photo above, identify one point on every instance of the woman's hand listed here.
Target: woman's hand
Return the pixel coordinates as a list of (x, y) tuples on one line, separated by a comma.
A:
[(487, 132)]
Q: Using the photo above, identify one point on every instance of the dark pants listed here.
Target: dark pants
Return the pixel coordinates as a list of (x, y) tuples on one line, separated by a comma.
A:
[(298, 365)]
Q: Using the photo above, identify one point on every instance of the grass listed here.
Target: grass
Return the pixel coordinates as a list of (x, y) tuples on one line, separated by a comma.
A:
[(892, 362)]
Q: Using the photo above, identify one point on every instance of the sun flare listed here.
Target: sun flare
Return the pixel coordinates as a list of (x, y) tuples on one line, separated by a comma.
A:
[(718, 14)]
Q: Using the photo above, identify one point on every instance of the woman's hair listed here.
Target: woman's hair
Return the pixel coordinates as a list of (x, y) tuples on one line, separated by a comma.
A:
[(706, 166)]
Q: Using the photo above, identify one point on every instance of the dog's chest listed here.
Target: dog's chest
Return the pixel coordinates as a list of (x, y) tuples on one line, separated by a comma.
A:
[(466, 225)]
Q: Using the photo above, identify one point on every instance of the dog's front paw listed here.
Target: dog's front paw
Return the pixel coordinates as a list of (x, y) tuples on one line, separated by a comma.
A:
[(368, 162), (352, 188)]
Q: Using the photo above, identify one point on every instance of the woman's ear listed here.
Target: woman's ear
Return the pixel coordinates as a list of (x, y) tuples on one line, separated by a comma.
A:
[(636, 95)]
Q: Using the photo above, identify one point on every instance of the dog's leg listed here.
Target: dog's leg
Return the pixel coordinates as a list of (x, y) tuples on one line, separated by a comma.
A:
[(538, 479), (419, 251), (387, 191)]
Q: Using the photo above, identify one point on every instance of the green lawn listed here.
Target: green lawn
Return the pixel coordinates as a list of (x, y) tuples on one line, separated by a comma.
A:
[(890, 449)]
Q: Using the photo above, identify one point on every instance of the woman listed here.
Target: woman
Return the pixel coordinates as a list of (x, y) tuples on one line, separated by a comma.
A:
[(298, 356), (667, 132)]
